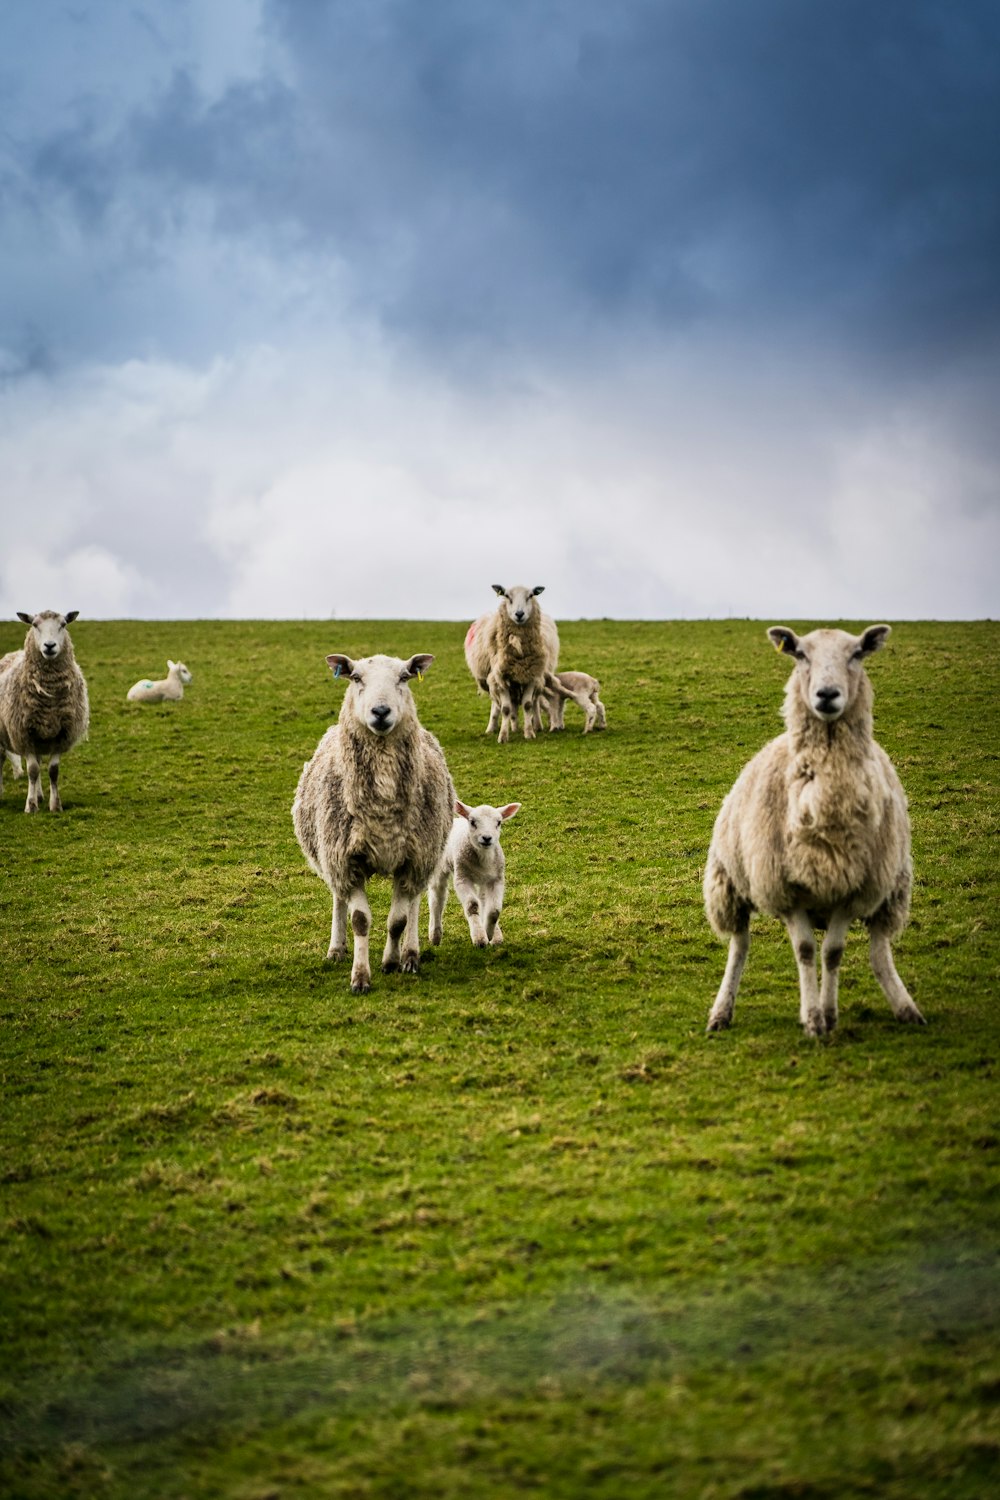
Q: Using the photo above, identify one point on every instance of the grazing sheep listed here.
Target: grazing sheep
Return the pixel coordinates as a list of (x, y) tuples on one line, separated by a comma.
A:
[(584, 690), (376, 799), (816, 831), (475, 861), (44, 709), (169, 689), (512, 654)]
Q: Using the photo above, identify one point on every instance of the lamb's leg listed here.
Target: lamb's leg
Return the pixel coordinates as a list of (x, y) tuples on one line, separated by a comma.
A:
[(591, 712), (803, 938), (34, 799), (532, 718), (833, 952), (721, 1014), (492, 907), (468, 894), (602, 717), (508, 713), (338, 929), (361, 925), (55, 802), (437, 895), (895, 991)]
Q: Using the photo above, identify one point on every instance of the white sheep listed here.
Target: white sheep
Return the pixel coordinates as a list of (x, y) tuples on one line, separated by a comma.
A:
[(512, 654), (816, 831), (44, 709), (375, 799), (168, 689), (474, 861), (584, 690)]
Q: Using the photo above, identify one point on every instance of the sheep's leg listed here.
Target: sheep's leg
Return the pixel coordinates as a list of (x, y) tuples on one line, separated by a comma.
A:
[(361, 926), (884, 969), (404, 914), (492, 907), (338, 929), (55, 801), (34, 799), (469, 897), (437, 895), (602, 717), (556, 712), (410, 962), (833, 952), (500, 693), (803, 938), (532, 719), (494, 719), (591, 713), (721, 1014)]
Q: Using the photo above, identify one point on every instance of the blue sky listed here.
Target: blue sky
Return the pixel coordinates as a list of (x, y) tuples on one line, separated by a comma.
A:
[(329, 308)]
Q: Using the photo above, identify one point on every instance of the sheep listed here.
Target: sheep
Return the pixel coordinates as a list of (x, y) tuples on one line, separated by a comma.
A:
[(584, 690), (375, 799), (169, 689), (512, 654), (44, 709), (475, 862), (816, 831)]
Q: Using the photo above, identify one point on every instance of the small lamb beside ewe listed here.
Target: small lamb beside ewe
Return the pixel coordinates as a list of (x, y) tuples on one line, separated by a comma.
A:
[(475, 862)]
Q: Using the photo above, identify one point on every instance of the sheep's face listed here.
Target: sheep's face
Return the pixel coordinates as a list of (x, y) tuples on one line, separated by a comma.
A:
[(49, 630), (828, 665), (485, 822), (379, 688), (180, 669), (519, 601)]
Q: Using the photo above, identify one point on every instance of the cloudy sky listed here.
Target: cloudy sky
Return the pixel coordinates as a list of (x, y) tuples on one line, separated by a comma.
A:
[(356, 307)]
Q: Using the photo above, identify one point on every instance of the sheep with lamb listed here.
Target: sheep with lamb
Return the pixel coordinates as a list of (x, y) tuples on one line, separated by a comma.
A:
[(44, 708), (512, 653)]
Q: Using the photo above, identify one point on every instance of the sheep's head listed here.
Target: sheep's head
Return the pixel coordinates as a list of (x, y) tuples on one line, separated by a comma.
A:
[(519, 601), (181, 670), (829, 666), (49, 631), (485, 822), (379, 688)]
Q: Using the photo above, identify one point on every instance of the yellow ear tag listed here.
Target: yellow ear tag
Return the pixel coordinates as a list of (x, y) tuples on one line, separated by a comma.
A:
[(420, 675)]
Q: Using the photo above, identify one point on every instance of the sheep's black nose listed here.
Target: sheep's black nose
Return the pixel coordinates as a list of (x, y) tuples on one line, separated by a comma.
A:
[(519, 615), (381, 712), (827, 696)]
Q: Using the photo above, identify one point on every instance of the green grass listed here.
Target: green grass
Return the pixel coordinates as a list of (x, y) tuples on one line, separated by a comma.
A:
[(516, 1225)]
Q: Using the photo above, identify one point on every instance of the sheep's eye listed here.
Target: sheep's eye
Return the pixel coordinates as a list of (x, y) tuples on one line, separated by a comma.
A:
[(355, 677), (473, 823), (800, 656)]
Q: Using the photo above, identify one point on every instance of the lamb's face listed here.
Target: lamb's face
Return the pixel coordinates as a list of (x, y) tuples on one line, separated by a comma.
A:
[(828, 665), (180, 669), (380, 688), (519, 601), (49, 630), (485, 822)]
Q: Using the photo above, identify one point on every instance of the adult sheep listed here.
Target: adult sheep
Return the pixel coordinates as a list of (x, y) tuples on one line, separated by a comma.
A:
[(512, 653), (816, 831), (376, 799), (44, 709)]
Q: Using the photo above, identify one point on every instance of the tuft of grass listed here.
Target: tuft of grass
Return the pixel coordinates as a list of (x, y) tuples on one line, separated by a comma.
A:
[(514, 1225)]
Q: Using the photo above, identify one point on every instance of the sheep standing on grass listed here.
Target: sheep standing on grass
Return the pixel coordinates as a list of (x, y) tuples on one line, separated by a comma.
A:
[(584, 690), (816, 831), (475, 862), (376, 799), (169, 689), (44, 710), (512, 654)]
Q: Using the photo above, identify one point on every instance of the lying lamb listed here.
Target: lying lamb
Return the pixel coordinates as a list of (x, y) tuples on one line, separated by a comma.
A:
[(44, 709), (584, 690), (169, 689), (376, 799), (475, 862), (816, 831)]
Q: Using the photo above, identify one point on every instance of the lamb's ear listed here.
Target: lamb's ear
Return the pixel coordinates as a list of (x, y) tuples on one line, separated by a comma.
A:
[(510, 810), (498, 588), (874, 638), (170, 664), (539, 588), (418, 665), (462, 810), (70, 616), (340, 666), (26, 618), (783, 639)]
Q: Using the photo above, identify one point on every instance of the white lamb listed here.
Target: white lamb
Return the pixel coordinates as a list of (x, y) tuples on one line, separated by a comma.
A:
[(816, 831), (169, 689), (475, 862), (584, 690), (44, 708), (376, 799), (512, 654)]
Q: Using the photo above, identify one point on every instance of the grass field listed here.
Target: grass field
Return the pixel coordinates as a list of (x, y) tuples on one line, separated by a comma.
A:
[(516, 1225)]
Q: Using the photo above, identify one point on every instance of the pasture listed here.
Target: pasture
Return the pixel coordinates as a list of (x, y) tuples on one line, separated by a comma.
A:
[(515, 1226)]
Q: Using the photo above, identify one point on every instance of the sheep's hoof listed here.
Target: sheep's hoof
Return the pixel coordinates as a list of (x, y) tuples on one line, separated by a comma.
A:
[(815, 1025), (910, 1016), (335, 955), (390, 966), (411, 963), (360, 983), (720, 1022)]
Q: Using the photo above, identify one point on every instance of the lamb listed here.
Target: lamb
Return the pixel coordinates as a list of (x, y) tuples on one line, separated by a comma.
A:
[(475, 861), (584, 690), (512, 654), (375, 799), (169, 689), (816, 831), (44, 709)]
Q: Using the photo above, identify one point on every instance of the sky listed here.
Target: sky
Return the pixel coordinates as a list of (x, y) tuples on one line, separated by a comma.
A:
[(353, 308)]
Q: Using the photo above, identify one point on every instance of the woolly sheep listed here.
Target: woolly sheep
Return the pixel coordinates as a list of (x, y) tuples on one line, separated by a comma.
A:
[(475, 862), (375, 799), (584, 690), (512, 654), (44, 709), (816, 831), (168, 689)]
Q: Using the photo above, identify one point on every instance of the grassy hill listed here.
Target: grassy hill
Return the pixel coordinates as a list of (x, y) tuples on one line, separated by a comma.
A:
[(516, 1225)]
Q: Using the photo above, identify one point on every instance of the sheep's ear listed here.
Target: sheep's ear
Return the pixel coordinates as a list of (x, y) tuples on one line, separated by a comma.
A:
[(783, 639), (170, 664), (510, 810), (539, 588), (26, 618), (498, 588), (70, 616), (462, 810), (418, 665), (874, 638), (340, 666)]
